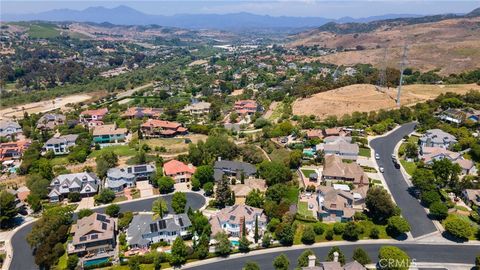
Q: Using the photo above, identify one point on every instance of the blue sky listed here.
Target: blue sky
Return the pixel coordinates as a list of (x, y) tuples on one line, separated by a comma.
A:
[(330, 9)]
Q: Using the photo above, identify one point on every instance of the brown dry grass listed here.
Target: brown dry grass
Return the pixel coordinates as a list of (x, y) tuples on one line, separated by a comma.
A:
[(175, 145), (451, 45), (365, 98)]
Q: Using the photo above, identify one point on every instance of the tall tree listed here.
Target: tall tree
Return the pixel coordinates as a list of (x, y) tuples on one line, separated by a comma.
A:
[(223, 193), (379, 203), (159, 207), (281, 262), (179, 252), (8, 209), (106, 160), (179, 202), (256, 235)]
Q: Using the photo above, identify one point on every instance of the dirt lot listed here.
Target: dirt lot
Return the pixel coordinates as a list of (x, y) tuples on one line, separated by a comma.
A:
[(175, 145), (42, 106), (365, 98)]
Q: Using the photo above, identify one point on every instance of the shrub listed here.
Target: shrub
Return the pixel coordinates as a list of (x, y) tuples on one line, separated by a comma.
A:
[(338, 228), (458, 228), (374, 233), (397, 226), (429, 197), (438, 210), (361, 256), (74, 197), (318, 228), (393, 258), (351, 231), (329, 235), (308, 236)]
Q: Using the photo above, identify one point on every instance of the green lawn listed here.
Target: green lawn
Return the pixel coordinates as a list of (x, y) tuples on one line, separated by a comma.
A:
[(307, 172), (120, 150), (365, 152), (303, 209), (410, 167), (292, 194), (280, 155), (59, 161), (62, 261), (43, 30)]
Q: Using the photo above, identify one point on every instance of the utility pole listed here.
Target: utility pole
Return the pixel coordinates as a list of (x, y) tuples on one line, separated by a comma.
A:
[(403, 63), (383, 71)]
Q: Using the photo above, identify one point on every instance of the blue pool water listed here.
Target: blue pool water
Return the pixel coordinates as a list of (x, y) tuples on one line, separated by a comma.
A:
[(235, 242), (309, 152), (95, 262)]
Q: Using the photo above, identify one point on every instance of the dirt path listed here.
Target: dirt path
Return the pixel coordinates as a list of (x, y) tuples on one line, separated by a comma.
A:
[(271, 108)]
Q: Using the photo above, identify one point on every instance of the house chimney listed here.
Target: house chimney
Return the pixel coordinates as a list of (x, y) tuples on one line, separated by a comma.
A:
[(335, 256), (219, 158), (311, 260)]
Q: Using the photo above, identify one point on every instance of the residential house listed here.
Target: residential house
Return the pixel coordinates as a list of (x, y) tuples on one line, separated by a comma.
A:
[(339, 146), (120, 178), (199, 108), (456, 116), (333, 265), (162, 128), (437, 138), (60, 145), (246, 107), (107, 134), (328, 132), (50, 121), (139, 112), (19, 204), (179, 171), (472, 197), (241, 190), (13, 150), (85, 183), (93, 235), (9, 129), (231, 218), (339, 204), (145, 229), (473, 115), (93, 117), (233, 169), (335, 169), (430, 154)]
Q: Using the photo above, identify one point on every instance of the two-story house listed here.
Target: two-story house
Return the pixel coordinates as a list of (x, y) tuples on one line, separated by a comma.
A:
[(231, 219), (94, 235), (9, 129), (145, 229), (93, 118), (437, 138), (339, 146), (159, 128), (338, 204), (108, 134), (120, 178), (179, 171), (60, 145), (13, 150), (199, 108), (233, 169), (85, 183), (50, 121), (246, 107), (335, 169)]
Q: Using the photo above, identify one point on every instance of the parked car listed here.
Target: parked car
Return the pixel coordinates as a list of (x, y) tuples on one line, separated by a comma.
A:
[(377, 156), (381, 169)]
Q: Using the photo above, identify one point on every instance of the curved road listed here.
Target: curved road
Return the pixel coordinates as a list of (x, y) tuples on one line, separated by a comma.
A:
[(23, 258), (440, 253), (411, 209)]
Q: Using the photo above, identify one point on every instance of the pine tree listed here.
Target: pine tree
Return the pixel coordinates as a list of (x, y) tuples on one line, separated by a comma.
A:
[(223, 193), (244, 228)]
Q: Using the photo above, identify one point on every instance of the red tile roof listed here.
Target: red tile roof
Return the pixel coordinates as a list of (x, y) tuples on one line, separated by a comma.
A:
[(175, 167), (162, 124), (101, 111)]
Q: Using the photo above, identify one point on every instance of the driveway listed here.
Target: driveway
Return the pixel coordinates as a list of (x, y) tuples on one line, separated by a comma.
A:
[(23, 258), (411, 209), (86, 203), (145, 188)]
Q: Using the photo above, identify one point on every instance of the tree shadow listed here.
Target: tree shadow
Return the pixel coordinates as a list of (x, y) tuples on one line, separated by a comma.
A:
[(450, 237)]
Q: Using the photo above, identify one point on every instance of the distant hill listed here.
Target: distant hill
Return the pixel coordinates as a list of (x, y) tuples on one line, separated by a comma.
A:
[(449, 42), (123, 15)]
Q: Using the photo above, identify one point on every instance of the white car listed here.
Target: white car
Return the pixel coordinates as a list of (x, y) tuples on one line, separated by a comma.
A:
[(381, 169), (377, 156)]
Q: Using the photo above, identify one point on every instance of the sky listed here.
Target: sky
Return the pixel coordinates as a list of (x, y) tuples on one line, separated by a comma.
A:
[(303, 8)]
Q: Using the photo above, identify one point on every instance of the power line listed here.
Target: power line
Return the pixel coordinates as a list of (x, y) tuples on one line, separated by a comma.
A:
[(403, 64)]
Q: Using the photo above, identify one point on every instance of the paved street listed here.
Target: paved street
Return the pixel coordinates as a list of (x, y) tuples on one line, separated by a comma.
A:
[(22, 253), (421, 253), (411, 209)]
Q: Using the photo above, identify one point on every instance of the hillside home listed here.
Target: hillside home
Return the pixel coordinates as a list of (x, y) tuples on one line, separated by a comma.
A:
[(13, 150), (50, 121), (160, 128), (92, 117), (233, 169), (455, 116), (241, 190), (60, 145), (93, 235), (231, 218), (199, 108), (335, 169), (85, 183), (246, 107), (430, 154), (139, 113), (333, 265), (120, 178), (437, 138), (108, 134), (472, 197), (9, 129), (179, 171), (145, 229)]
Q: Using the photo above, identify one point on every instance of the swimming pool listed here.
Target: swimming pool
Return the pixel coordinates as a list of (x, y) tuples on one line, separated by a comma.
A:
[(235, 242), (95, 262)]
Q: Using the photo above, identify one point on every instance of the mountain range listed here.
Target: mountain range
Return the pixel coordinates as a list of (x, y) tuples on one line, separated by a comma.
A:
[(124, 15)]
